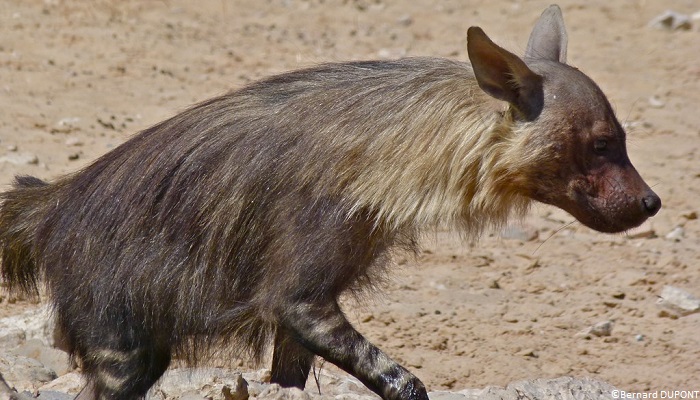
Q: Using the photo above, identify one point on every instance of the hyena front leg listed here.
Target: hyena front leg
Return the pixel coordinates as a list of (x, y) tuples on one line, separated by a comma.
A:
[(291, 361), (324, 330)]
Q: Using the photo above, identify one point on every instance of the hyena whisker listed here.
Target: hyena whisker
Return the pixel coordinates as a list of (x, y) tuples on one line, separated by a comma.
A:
[(629, 113), (561, 228)]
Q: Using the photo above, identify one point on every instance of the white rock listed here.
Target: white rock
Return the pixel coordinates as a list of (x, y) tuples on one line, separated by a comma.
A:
[(551, 389), (672, 20), (68, 121), (32, 324), (656, 102), (53, 395), (524, 233), (53, 358), (600, 329), (275, 392), (676, 234), (11, 336), (210, 383), (66, 125), (73, 141), (405, 20), (444, 395), (70, 383), (678, 302), (24, 373), (21, 159)]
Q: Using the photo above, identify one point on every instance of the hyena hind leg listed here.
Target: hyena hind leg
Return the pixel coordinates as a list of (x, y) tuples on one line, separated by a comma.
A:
[(122, 374), (291, 362)]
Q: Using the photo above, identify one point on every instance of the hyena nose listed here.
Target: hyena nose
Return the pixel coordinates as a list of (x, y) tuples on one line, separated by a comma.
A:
[(651, 203)]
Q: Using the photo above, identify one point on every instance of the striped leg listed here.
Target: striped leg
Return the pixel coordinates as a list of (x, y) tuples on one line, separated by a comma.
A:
[(291, 362), (323, 329), (122, 374)]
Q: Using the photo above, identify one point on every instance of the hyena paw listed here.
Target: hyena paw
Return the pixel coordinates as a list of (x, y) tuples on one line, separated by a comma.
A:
[(413, 390)]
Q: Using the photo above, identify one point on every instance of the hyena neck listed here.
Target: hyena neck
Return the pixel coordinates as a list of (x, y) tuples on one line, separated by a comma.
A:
[(448, 160)]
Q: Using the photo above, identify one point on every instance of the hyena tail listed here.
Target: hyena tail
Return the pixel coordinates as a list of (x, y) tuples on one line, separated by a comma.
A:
[(21, 211)]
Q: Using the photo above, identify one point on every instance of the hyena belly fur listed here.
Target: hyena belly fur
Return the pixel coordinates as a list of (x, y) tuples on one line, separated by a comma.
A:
[(243, 219)]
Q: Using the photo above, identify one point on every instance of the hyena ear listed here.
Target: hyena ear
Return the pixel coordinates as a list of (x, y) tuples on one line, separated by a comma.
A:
[(504, 75), (548, 39)]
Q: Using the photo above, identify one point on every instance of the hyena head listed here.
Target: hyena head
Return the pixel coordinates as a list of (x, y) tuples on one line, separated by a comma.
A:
[(573, 146)]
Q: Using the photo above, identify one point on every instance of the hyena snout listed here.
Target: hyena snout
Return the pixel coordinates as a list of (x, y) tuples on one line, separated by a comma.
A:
[(614, 200), (644, 203)]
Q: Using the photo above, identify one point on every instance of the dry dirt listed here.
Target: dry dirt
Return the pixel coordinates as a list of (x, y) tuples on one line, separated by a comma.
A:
[(77, 78)]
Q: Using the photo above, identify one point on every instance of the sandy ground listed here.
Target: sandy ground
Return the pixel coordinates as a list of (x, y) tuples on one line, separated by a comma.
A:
[(79, 77)]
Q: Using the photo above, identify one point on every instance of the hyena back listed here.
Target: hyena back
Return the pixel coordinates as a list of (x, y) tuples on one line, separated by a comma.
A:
[(243, 219)]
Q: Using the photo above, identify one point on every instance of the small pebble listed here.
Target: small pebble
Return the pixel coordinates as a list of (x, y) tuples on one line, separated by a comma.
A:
[(672, 21), (690, 215), (601, 329), (405, 20), (676, 234), (72, 141), (522, 233), (656, 102), (528, 353), (21, 159)]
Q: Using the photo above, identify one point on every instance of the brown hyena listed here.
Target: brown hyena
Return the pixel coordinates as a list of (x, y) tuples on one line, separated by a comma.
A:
[(243, 219)]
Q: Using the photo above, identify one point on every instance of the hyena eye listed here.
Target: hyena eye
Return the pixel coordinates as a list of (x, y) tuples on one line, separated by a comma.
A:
[(600, 145)]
